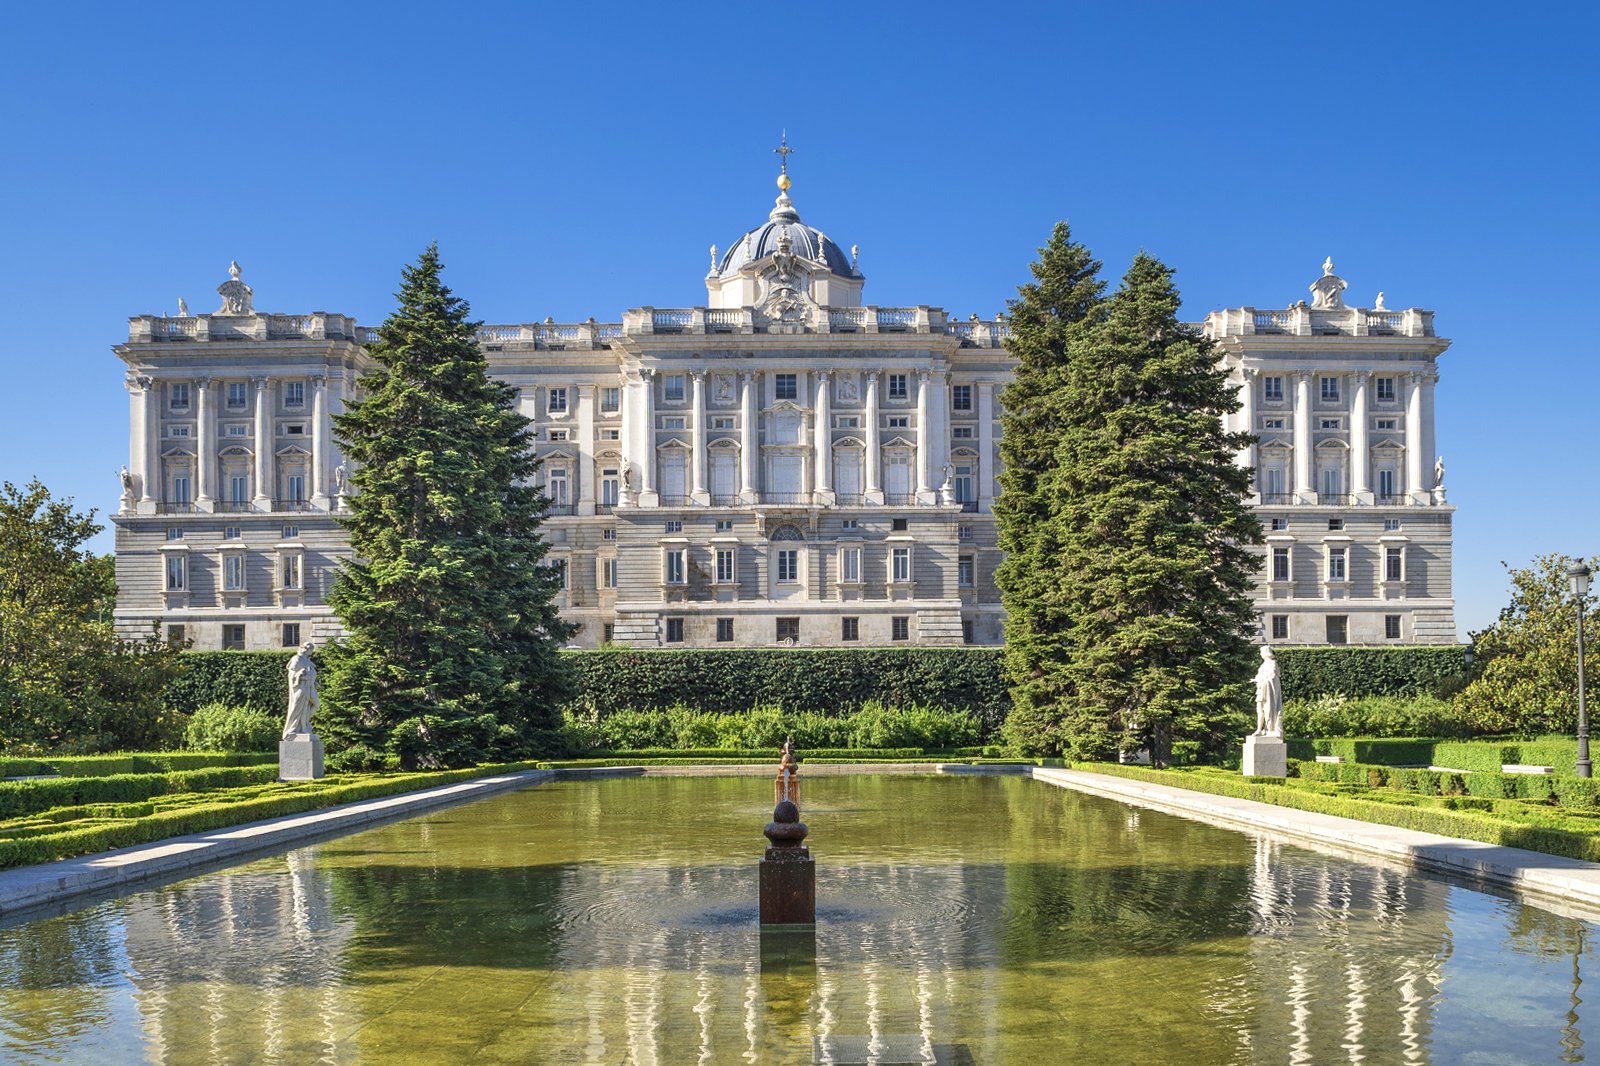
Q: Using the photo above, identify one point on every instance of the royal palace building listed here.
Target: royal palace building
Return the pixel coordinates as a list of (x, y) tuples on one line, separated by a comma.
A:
[(784, 465)]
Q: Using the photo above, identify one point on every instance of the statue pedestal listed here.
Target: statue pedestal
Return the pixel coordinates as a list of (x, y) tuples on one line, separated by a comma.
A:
[(300, 757), (1265, 757), (788, 887)]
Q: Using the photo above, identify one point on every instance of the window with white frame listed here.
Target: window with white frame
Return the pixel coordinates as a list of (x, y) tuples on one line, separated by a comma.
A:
[(178, 431), (291, 532), (1394, 563), (847, 422), (672, 568), (673, 526), (961, 397), (296, 485), (1280, 564), (180, 489), (290, 635), (610, 483), (722, 422), (899, 421), (1330, 423), (290, 571), (900, 565), (233, 637), (556, 400), (610, 399), (850, 566), (725, 566), (898, 388), (849, 523), (1391, 525), (608, 573), (963, 485), (178, 396), (1330, 389), (1274, 480), (1387, 484), (238, 429), (964, 533), (608, 534), (962, 432), (964, 572), (1336, 562), (1272, 389), (556, 434), (1276, 524), (238, 395), (177, 573), (555, 486), (1280, 627), (1385, 390), (1387, 423), (230, 532), (611, 434), (724, 525), (672, 388), (560, 568), (785, 387), (233, 572), (294, 394), (788, 564)]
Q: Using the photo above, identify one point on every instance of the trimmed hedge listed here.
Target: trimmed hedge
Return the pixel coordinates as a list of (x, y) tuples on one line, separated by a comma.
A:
[(295, 799), (1551, 834), (1384, 751), (255, 679), (1355, 671), (157, 762), (28, 797)]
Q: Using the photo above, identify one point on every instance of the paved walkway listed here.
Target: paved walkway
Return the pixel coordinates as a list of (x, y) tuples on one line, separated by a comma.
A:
[(53, 882), (1533, 873)]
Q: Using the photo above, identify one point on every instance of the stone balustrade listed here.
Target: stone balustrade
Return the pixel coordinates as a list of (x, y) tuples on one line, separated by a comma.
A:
[(318, 326), (1303, 321)]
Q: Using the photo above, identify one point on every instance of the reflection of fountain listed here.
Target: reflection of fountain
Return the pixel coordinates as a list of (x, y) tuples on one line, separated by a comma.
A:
[(788, 876)]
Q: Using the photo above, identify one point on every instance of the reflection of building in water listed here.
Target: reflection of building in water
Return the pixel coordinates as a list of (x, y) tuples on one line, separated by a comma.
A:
[(243, 966), (1344, 956)]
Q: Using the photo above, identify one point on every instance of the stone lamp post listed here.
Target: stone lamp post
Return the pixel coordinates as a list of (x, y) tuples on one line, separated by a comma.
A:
[(1578, 574)]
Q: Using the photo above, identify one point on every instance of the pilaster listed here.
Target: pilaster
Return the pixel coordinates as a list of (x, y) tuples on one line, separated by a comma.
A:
[(263, 444), (586, 471), (873, 492), (205, 457)]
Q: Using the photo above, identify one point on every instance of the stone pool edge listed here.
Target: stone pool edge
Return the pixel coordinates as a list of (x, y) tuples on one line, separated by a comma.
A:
[(44, 884), (1526, 873)]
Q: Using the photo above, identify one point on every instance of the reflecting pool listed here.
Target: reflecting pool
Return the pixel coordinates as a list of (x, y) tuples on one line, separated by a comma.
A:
[(960, 920)]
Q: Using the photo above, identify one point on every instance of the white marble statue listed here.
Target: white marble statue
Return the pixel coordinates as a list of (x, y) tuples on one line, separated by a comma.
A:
[(339, 479), (183, 307), (127, 480), (303, 700), (1438, 472), (1269, 697), (1378, 306)]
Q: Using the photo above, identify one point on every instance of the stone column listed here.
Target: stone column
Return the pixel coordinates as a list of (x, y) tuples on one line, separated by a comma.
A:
[(1430, 377), (985, 446), (1302, 437), (873, 488), (748, 446), (924, 443), (319, 441), (697, 443), (1247, 415), (146, 455), (586, 474), (263, 444), (1416, 446), (823, 463), (1360, 451), (205, 448)]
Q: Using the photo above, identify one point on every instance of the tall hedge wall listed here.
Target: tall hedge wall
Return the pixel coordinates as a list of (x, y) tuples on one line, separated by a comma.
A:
[(824, 679)]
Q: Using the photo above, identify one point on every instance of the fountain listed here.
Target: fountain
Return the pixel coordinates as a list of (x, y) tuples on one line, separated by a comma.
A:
[(788, 876)]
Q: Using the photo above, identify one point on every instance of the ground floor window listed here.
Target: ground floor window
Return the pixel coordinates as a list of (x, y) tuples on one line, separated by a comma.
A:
[(607, 631), (291, 634), (966, 631), (1338, 629), (724, 630), (674, 631), (1391, 626), (1280, 627), (175, 634), (900, 627), (233, 638), (788, 629), (849, 629)]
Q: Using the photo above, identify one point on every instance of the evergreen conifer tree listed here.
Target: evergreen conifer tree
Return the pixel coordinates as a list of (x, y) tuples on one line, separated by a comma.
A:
[(452, 653), (1045, 320), (1154, 532)]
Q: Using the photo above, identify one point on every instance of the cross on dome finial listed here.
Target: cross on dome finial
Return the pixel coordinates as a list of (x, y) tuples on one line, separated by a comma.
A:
[(783, 152)]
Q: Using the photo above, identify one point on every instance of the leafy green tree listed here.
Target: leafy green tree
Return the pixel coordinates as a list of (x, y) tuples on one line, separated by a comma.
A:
[(67, 681), (1049, 315), (1150, 535), (452, 654), (1527, 661)]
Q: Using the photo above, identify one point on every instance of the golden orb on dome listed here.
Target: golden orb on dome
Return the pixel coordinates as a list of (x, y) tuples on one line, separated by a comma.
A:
[(783, 182)]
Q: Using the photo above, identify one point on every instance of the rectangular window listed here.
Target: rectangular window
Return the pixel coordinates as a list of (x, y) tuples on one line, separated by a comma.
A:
[(962, 432), (722, 422), (1385, 390), (1336, 570), (847, 422), (291, 571), (724, 631), (902, 565), (1335, 525), (673, 566), (611, 434), (556, 434), (1391, 626), (964, 533), (674, 631), (963, 485), (180, 490), (608, 631), (1280, 627), (1330, 390), (900, 627), (966, 631), (557, 401), (849, 523), (1391, 525), (724, 525), (291, 532), (238, 429), (177, 431), (294, 394), (178, 396), (788, 630), (608, 534), (961, 397), (291, 635), (295, 430), (610, 400), (897, 525), (556, 486), (674, 527), (672, 423), (233, 638), (560, 568), (899, 422), (177, 573), (1394, 561), (1272, 389), (897, 387), (610, 483), (849, 629), (725, 569), (238, 489), (850, 565), (233, 572), (238, 397), (608, 573), (1386, 487), (297, 487), (1278, 524), (1338, 629), (1388, 423), (1330, 423), (230, 532), (672, 388), (788, 564), (174, 532), (175, 635), (785, 387), (964, 571), (1280, 564)]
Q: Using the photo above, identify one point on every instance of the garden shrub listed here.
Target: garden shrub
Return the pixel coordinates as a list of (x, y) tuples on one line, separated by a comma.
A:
[(1337, 715), (27, 797), (1356, 671), (220, 727), (255, 679)]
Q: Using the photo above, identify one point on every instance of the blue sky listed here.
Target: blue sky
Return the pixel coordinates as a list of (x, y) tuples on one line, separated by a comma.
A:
[(577, 159)]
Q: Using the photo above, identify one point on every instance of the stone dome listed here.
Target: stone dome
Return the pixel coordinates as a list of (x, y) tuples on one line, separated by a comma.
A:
[(804, 241)]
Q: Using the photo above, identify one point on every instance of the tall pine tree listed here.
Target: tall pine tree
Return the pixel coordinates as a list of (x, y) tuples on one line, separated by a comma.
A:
[(1155, 534), (1046, 318), (452, 653)]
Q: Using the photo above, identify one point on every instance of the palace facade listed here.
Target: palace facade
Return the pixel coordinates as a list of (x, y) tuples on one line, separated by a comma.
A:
[(784, 465)]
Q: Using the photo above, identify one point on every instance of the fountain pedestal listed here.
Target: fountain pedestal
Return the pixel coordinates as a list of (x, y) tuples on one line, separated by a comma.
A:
[(788, 887)]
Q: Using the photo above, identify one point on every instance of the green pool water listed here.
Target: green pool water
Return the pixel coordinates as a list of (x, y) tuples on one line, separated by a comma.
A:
[(961, 920)]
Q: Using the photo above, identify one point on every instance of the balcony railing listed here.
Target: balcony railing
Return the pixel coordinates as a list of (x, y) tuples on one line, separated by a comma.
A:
[(559, 509), (786, 499), (233, 506), (1335, 499), (899, 499), (674, 501), (849, 499), (604, 508), (969, 506), (1277, 497), (291, 505), (175, 507), (725, 501)]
